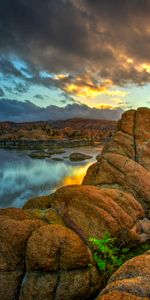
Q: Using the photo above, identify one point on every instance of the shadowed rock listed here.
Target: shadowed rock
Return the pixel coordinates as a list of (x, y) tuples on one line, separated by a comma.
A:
[(51, 263), (79, 156), (14, 233), (41, 202), (130, 282)]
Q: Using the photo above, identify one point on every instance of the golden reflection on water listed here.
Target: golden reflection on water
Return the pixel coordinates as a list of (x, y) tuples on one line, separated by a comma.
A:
[(76, 176)]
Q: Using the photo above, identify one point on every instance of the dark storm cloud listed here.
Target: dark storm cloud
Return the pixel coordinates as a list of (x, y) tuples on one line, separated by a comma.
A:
[(39, 29), (125, 25), (7, 68), (74, 36)]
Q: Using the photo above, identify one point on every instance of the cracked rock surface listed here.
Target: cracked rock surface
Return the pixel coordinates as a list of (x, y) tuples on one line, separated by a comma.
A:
[(125, 161), (129, 282), (40, 260)]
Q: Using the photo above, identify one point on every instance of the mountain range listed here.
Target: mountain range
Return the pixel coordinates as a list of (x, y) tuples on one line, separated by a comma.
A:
[(18, 111)]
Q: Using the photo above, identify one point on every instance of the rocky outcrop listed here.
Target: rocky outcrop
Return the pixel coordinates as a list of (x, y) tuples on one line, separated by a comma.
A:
[(125, 162), (16, 228), (91, 211), (46, 252), (43, 261), (64, 272), (130, 282), (45, 247), (41, 202)]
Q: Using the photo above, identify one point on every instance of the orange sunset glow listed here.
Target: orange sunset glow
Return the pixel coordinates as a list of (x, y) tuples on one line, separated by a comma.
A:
[(76, 176)]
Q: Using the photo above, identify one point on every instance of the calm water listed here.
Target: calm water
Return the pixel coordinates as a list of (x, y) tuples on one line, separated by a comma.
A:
[(22, 177)]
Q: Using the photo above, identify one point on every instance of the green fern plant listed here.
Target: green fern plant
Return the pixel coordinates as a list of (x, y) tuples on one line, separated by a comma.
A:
[(106, 254), (109, 256)]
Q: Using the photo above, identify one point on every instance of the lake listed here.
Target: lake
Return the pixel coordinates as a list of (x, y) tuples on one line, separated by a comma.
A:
[(22, 177)]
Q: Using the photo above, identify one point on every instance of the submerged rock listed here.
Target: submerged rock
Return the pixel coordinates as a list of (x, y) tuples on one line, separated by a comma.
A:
[(57, 158), (39, 154), (79, 156), (55, 151)]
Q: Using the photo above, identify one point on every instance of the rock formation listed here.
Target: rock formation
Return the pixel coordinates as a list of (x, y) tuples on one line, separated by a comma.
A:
[(79, 156), (45, 247), (43, 261), (91, 211), (125, 162), (130, 282)]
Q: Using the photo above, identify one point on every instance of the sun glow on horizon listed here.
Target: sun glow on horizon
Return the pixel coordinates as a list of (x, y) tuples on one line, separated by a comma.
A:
[(103, 106)]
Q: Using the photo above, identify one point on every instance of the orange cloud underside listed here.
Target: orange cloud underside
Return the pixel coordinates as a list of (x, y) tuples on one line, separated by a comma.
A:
[(85, 90), (92, 92), (103, 106), (84, 86)]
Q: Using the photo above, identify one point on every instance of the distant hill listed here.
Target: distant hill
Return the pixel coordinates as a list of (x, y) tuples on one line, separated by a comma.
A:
[(76, 129), (80, 123), (17, 111)]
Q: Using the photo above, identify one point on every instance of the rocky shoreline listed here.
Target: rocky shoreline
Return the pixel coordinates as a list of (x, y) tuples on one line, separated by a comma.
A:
[(68, 133), (46, 253), (40, 144)]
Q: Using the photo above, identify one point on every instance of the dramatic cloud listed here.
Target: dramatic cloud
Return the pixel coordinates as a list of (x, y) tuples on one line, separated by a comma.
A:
[(8, 69), (85, 85), (85, 47)]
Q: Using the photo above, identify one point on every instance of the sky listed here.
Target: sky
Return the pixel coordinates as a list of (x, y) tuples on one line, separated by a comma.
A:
[(60, 52)]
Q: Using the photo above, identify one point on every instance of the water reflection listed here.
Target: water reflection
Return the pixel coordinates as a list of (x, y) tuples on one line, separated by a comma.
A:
[(22, 177), (76, 176)]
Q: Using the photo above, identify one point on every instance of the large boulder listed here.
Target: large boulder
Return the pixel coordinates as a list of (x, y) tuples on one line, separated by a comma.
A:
[(46, 253), (40, 260), (16, 226), (125, 162), (129, 282), (63, 261), (91, 211)]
